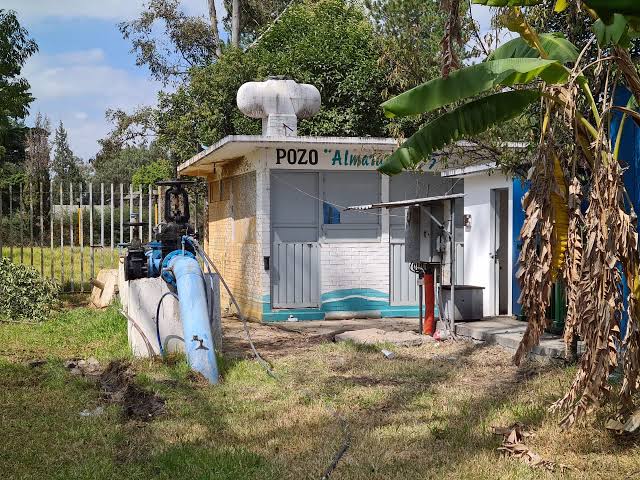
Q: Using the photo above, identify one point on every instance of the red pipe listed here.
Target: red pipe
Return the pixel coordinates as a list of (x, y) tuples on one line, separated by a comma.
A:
[(429, 323)]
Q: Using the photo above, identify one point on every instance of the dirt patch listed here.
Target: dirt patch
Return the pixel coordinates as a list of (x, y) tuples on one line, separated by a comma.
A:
[(272, 342), (117, 386)]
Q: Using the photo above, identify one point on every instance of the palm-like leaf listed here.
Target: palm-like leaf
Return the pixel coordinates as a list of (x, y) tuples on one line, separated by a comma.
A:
[(469, 119), (555, 45), (473, 80)]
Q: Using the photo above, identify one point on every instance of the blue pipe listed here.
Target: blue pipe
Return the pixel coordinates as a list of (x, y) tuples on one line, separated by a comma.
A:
[(194, 314)]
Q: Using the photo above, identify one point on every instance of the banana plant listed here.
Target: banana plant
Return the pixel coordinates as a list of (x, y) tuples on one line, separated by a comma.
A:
[(559, 241)]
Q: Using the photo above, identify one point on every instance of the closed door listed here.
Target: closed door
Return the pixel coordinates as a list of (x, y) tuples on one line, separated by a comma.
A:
[(295, 253)]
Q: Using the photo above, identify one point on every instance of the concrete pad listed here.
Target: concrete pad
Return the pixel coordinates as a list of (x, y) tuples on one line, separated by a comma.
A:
[(372, 336), (508, 332), (103, 297)]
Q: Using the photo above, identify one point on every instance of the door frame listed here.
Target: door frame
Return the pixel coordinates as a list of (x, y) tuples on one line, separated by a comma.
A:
[(273, 227), (496, 222)]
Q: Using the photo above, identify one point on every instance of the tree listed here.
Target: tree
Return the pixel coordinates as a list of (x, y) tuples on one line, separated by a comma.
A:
[(153, 172), (254, 17), (38, 150), (66, 167), (118, 165), (187, 41), (576, 161), (328, 43), (15, 48)]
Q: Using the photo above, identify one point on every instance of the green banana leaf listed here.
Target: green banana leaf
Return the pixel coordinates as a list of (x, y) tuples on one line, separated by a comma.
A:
[(473, 80), (554, 44), (470, 119), (507, 3), (606, 9), (612, 33)]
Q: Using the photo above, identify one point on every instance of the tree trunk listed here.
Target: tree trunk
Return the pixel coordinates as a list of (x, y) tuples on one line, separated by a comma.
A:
[(213, 16), (235, 23)]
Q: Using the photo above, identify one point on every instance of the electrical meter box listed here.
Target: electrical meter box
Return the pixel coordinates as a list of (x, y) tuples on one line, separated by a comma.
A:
[(423, 237)]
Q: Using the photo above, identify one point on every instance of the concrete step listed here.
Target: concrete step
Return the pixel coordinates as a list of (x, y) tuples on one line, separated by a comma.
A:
[(508, 332)]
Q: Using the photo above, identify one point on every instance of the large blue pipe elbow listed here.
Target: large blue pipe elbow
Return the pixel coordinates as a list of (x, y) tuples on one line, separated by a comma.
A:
[(195, 316)]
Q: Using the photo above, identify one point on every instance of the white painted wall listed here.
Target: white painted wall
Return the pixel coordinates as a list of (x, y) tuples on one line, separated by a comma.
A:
[(477, 241)]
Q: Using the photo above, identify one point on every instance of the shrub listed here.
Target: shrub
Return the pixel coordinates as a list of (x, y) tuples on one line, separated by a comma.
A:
[(24, 295)]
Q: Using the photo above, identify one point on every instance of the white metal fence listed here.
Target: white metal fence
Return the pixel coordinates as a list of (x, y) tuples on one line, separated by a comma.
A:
[(69, 231)]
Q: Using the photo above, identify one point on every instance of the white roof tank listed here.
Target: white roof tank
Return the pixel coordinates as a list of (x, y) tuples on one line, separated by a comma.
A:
[(279, 103)]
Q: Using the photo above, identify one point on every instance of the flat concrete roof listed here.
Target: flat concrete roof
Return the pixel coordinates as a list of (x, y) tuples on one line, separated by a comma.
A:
[(236, 146)]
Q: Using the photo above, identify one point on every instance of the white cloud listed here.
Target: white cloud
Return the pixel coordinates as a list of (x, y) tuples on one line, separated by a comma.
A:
[(36, 10), (77, 87)]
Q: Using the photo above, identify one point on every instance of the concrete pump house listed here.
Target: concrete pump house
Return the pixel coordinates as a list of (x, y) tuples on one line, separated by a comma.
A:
[(278, 231)]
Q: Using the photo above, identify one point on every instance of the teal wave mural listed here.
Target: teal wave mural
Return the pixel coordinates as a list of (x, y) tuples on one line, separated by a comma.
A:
[(343, 300)]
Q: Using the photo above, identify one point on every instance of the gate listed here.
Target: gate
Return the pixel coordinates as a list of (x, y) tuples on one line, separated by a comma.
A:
[(295, 276)]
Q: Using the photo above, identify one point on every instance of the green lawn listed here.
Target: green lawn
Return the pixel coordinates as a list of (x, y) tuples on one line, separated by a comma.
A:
[(426, 414), (43, 258)]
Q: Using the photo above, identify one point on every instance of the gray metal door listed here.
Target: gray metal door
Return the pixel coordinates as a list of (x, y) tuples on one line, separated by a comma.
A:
[(404, 283), (295, 277), (295, 253)]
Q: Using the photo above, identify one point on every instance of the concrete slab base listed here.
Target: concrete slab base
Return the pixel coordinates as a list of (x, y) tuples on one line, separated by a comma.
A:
[(508, 332)]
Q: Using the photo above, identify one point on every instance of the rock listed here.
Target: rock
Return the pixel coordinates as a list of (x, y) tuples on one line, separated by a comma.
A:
[(372, 336), (104, 288)]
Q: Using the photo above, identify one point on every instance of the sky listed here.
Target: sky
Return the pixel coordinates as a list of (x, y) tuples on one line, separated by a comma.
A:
[(84, 66)]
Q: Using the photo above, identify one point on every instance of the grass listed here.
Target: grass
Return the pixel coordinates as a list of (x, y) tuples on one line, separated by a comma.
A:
[(425, 414), (43, 258)]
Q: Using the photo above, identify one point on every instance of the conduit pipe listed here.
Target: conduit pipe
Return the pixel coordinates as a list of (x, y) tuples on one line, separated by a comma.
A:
[(194, 314)]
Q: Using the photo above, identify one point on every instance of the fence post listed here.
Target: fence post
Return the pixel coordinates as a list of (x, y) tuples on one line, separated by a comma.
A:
[(11, 222), (92, 245), (150, 211), (121, 213), (1, 246), (31, 221), (61, 236), (51, 225), (112, 222), (41, 230), (71, 242), (101, 225), (81, 239), (21, 210)]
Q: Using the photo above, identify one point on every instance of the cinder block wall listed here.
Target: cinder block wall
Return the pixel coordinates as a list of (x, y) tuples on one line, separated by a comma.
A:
[(355, 265), (234, 242)]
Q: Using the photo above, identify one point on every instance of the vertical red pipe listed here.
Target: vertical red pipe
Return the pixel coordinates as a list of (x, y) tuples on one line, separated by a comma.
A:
[(429, 324)]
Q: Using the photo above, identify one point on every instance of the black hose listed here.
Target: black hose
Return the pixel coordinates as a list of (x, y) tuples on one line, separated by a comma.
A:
[(158, 318)]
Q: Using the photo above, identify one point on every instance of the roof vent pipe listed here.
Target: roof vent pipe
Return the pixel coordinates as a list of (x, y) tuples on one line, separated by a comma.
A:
[(279, 103)]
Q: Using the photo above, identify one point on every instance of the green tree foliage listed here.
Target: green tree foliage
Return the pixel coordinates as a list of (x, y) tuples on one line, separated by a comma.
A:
[(329, 43), (255, 16), (66, 167), (15, 48), (153, 172), (118, 164)]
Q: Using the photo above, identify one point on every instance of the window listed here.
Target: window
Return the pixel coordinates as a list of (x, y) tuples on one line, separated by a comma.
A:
[(342, 189)]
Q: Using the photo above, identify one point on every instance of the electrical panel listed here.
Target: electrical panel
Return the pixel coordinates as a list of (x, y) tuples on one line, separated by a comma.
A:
[(423, 236)]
